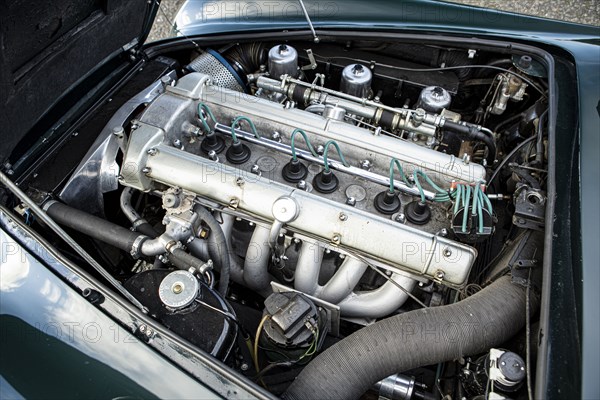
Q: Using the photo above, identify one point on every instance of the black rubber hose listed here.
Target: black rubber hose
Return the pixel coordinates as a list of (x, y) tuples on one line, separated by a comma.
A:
[(183, 260), (414, 339), (116, 235), (146, 229), (217, 247), (471, 132), (98, 228)]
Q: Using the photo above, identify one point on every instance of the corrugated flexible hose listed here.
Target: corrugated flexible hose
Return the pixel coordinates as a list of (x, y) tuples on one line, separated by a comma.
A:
[(414, 339)]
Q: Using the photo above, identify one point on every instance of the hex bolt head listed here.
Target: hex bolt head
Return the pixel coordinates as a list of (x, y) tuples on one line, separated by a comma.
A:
[(177, 143), (118, 131), (255, 169), (351, 201), (301, 185), (343, 217)]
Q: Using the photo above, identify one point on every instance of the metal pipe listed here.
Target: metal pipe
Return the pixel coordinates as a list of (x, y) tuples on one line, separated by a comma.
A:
[(343, 282), (379, 302), (349, 103), (306, 276), (354, 105), (237, 270), (157, 246), (256, 274), (126, 207)]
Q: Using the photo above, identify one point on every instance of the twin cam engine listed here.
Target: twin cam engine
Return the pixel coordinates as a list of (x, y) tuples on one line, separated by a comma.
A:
[(324, 183), (323, 199)]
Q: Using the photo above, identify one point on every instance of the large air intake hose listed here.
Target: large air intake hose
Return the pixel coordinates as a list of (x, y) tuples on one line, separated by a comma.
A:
[(414, 339)]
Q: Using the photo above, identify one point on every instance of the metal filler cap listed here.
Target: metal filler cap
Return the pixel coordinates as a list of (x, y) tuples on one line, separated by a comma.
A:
[(285, 209), (178, 289)]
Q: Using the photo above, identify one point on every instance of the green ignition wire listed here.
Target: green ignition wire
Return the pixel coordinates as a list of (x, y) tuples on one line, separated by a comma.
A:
[(459, 190), (476, 190), (249, 121), (480, 209), (488, 203), (202, 106), (480, 200), (444, 197), (442, 194), (293, 144), (395, 163), (466, 201), (462, 193), (326, 154)]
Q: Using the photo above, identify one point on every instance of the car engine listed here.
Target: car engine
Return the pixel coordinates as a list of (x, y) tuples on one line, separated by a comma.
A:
[(276, 203)]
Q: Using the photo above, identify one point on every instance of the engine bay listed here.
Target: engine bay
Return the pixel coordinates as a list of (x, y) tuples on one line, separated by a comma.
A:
[(287, 206)]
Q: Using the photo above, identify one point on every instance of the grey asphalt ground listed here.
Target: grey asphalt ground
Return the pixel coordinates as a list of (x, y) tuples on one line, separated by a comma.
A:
[(579, 11)]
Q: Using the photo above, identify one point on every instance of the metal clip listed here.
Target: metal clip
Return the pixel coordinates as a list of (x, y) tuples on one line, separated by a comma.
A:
[(311, 58)]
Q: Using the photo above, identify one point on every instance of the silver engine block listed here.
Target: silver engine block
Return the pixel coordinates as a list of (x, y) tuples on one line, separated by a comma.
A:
[(164, 153)]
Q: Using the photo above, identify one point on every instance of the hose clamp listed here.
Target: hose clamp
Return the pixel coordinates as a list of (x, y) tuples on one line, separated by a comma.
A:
[(137, 245), (48, 204)]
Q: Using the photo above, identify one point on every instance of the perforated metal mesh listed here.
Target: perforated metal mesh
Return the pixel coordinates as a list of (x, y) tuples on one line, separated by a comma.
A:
[(221, 76)]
